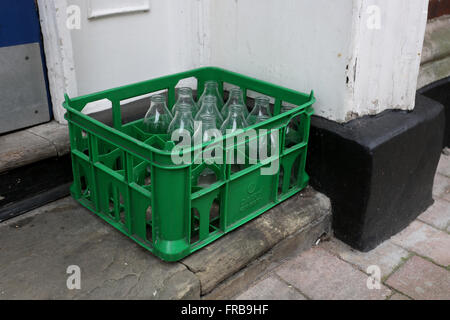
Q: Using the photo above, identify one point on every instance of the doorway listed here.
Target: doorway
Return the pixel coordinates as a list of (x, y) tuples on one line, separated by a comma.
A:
[(24, 97)]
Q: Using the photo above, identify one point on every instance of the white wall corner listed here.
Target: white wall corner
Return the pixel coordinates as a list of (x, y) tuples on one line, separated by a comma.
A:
[(204, 31), (58, 53), (384, 57)]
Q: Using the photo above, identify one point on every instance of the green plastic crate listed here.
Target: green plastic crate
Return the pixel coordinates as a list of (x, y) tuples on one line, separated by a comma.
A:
[(127, 177)]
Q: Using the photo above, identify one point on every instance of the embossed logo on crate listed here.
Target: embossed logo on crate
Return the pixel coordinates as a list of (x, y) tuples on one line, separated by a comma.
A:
[(254, 196)]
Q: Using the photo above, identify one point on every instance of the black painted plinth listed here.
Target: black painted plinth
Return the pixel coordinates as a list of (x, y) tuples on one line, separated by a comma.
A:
[(378, 171)]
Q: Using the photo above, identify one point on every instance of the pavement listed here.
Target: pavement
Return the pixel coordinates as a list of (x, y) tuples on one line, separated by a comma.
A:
[(412, 265), (270, 257), (63, 251)]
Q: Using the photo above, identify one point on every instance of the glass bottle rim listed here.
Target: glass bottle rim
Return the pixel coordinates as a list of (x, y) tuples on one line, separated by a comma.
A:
[(158, 98), (262, 99), (211, 83), (184, 91), (236, 91)]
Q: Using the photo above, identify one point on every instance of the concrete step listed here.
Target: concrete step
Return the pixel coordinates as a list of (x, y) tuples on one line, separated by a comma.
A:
[(435, 63), (35, 168), (34, 144), (38, 247)]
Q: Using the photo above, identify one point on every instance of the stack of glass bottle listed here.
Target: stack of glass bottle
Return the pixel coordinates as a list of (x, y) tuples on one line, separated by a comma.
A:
[(209, 110)]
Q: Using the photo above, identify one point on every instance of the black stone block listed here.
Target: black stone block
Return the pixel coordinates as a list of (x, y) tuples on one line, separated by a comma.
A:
[(377, 170)]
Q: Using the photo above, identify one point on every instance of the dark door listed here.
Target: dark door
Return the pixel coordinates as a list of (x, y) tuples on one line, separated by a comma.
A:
[(23, 91)]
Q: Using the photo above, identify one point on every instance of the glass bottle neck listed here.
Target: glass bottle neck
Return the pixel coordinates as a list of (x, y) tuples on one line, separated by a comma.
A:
[(236, 97), (236, 111), (210, 90), (157, 99), (184, 98), (185, 95), (184, 113), (208, 107)]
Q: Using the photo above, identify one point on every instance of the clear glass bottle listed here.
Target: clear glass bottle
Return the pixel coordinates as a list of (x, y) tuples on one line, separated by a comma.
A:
[(212, 89), (207, 132), (292, 129), (235, 120), (207, 129), (183, 120), (261, 111), (158, 116), (236, 97), (185, 96), (209, 107)]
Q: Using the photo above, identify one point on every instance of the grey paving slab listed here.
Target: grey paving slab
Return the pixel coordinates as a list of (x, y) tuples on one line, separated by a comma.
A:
[(441, 187), (320, 275), (399, 296), (386, 256), (444, 165), (425, 241), (271, 288), (421, 280), (37, 249), (438, 215)]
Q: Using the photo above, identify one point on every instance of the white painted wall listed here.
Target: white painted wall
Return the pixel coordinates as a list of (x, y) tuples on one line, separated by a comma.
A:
[(323, 45), (124, 48), (305, 44), (385, 61), (302, 45)]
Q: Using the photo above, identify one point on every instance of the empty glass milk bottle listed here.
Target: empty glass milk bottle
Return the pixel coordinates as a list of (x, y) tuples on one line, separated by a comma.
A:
[(158, 117), (235, 120), (236, 97), (209, 107), (212, 89), (185, 96), (207, 129), (261, 111), (183, 121), (293, 128)]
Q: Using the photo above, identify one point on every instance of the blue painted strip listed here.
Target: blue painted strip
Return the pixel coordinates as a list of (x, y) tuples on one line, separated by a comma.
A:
[(19, 22)]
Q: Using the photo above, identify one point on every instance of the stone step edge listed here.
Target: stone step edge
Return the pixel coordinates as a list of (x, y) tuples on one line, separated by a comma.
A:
[(34, 144), (304, 239)]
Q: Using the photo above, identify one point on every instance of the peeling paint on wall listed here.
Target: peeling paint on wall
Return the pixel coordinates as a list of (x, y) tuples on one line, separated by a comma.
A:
[(383, 68)]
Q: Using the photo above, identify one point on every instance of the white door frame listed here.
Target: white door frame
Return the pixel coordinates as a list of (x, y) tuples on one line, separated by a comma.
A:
[(58, 53)]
